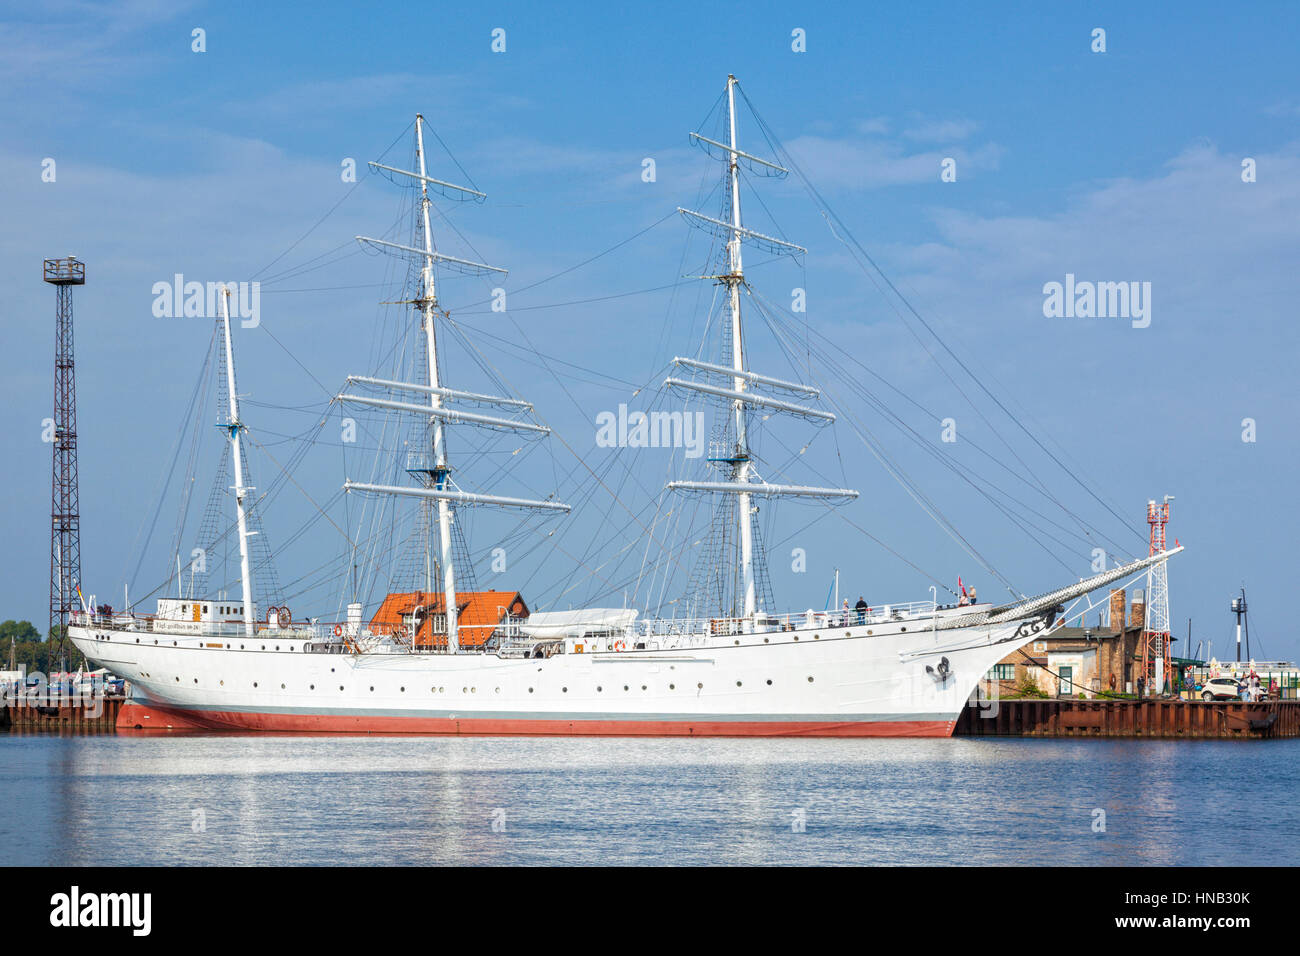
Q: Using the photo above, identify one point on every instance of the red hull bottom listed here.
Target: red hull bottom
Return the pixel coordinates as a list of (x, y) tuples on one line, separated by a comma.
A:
[(135, 716)]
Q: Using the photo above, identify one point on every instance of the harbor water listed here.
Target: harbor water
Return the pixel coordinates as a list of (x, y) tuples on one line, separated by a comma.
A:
[(134, 800)]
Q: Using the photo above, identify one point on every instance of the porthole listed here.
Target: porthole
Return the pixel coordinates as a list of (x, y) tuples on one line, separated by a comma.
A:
[(254, 683), (598, 690), (241, 647), (700, 686), (137, 640), (277, 647), (810, 680), (737, 643), (530, 690), (765, 640), (769, 682), (178, 680), (464, 690), (402, 690), (473, 690), (281, 687), (672, 686), (869, 633), (625, 686), (372, 690), (643, 686), (222, 683), (196, 680), (796, 637), (155, 640), (737, 683), (498, 690), (173, 643), (904, 629), (311, 687), (340, 686), (442, 690), (817, 637), (263, 647), (564, 689)]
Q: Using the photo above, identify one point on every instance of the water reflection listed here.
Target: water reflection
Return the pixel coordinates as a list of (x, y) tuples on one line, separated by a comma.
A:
[(319, 800)]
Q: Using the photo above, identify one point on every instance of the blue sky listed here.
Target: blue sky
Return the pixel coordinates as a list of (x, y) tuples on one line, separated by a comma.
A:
[(1114, 167)]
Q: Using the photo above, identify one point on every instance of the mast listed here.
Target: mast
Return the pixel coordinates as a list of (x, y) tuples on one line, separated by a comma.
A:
[(236, 453), (743, 395), (436, 403), (428, 303), (735, 276)]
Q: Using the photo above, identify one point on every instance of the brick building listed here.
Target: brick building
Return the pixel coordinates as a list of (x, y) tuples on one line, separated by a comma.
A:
[(1079, 660)]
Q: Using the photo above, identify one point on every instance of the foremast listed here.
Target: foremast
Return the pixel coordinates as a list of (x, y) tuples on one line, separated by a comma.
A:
[(439, 487), (742, 479), (735, 276)]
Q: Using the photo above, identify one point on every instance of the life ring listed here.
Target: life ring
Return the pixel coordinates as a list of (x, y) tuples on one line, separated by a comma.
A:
[(620, 645), (285, 617), (338, 630)]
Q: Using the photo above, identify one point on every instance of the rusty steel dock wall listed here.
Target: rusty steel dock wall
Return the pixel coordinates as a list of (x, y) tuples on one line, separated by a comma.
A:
[(1159, 718), (79, 714)]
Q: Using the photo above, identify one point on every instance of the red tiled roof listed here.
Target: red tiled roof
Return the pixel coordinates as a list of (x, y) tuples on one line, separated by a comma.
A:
[(480, 612)]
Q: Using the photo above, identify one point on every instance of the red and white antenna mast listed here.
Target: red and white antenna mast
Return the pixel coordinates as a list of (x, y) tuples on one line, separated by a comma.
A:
[(1155, 633)]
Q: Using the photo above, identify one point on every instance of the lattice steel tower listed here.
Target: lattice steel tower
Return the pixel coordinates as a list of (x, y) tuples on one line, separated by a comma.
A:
[(65, 518), (1155, 635)]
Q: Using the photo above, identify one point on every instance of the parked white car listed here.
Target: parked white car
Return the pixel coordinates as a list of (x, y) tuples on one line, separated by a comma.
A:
[(1221, 688)]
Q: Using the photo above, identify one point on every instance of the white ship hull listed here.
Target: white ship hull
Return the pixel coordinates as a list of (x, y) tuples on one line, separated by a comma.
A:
[(878, 680)]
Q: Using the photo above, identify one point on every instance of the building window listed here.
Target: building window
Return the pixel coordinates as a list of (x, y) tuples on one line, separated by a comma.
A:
[(1003, 672)]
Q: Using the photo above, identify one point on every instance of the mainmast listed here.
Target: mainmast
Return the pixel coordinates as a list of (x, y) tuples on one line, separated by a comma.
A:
[(742, 479), (234, 428), (428, 302), (438, 486)]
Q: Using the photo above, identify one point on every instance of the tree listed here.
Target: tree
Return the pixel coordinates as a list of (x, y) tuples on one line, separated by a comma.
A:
[(23, 632), (31, 650)]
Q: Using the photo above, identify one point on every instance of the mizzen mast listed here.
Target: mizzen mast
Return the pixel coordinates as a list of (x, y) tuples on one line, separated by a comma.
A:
[(234, 429)]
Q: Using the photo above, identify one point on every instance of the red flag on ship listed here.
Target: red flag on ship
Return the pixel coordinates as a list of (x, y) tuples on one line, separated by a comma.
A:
[(960, 585)]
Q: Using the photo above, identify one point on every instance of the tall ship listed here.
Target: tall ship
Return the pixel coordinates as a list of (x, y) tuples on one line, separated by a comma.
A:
[(444, 657)]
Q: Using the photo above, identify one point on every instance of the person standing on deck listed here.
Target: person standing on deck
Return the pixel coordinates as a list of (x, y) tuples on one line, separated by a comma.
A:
[(862, 608)]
